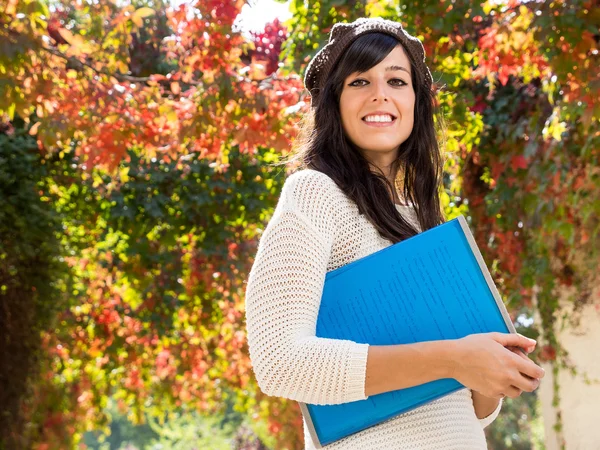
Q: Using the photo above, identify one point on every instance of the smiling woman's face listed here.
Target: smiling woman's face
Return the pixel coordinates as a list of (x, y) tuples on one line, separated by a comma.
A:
[(385, 89)]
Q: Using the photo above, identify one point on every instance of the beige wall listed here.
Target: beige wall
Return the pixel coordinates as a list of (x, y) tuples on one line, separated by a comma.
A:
[(580, 403)]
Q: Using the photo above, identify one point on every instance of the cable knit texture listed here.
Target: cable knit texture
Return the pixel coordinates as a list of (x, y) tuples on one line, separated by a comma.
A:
[(316, 228)]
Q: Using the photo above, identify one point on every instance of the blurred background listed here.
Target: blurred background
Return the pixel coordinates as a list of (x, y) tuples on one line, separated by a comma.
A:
[(136, 148)]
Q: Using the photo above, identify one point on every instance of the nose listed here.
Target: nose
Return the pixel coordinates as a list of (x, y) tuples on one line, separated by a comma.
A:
[(379, 91)]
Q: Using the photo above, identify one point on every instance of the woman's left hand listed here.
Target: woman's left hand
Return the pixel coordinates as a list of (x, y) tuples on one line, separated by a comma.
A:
[(521, 352)]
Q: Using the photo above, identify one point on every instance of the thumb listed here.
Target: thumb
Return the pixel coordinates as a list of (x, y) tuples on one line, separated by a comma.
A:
[(513, 339)]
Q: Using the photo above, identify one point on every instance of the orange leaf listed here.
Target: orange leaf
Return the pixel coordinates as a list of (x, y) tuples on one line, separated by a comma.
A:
[(33, 129)]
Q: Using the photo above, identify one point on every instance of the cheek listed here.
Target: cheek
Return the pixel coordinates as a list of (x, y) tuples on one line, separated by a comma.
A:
[(347, 114), (343, 107), (408, 110), (344, 117)]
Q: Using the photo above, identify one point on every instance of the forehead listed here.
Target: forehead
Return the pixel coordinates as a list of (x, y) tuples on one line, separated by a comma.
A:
[(396, 60), (396, 57)]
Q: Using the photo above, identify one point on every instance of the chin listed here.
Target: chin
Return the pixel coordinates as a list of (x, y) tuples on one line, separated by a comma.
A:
[(383, 148)]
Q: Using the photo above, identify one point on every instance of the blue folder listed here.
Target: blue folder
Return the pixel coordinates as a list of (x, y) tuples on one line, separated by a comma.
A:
[(433, 286)]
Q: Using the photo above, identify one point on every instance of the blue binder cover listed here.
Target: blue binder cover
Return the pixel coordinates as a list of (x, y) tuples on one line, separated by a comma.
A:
[(433, 286)]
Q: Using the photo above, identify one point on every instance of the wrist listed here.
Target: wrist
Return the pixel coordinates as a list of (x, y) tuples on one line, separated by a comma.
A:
[(484, 406), (453, 358), (447, 357)]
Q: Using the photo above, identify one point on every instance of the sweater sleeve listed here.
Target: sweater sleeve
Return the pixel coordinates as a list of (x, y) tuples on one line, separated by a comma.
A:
[(489, 419), (283, 295)]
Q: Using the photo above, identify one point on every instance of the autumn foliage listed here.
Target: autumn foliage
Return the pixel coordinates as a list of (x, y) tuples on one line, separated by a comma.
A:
[(145, 136)]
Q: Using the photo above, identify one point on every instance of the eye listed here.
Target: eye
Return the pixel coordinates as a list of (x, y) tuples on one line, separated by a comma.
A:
[(356, 81), (393, 81), (398, 79)]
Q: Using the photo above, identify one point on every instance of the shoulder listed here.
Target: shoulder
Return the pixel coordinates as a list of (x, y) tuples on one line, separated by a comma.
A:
[(310, 179), (312, 195), (307, 188)]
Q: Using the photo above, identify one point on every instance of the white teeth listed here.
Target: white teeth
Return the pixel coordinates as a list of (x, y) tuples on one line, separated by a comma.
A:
[(378, 119)]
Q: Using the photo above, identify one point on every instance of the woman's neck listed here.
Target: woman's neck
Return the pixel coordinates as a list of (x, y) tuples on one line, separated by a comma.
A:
[(397, 181)]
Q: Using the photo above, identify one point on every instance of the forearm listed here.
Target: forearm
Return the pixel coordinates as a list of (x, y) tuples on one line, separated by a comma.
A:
[(483, 405), (393, 367)]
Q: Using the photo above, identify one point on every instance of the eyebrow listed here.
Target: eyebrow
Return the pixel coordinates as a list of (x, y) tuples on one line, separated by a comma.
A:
[(396, 68)]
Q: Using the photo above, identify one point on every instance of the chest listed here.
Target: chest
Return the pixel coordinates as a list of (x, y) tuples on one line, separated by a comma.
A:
[(357, 237)]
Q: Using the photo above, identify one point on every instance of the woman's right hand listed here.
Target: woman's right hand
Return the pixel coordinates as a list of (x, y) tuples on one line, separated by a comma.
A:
[(485, 365)]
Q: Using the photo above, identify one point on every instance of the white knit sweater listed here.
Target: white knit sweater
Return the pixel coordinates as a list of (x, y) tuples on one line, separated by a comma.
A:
[(316, 228)]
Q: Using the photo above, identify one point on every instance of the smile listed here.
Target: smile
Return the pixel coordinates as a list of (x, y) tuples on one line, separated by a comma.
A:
[(379, 120)]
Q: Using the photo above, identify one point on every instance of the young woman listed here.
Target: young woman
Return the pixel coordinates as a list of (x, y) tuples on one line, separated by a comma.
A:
[(371, 174)]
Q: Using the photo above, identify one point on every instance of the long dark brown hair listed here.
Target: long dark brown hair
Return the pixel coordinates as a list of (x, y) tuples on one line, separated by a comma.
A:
[(324, 146)]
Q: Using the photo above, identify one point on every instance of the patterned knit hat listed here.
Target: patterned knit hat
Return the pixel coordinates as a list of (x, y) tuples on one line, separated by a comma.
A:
[(340, 38)]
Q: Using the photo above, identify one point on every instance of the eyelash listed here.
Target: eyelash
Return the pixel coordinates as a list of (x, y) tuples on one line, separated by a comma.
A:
[(393, 79)]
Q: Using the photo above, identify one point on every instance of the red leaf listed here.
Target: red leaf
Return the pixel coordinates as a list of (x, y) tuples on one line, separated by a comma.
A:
[(518, 162), (548, 353)]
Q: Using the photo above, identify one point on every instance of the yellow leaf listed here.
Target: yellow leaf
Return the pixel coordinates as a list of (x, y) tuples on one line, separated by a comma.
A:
[(172, 116), (558, 130), (487, 7), (137, 21), (11, 111), (123, 67), (111, 118), (445, 198), (78, 44), (144, 12), (523, 10)]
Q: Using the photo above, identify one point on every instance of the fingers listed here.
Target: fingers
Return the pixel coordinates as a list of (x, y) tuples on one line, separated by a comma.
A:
[(517, 351), (512, 392), (527, 366), (514, 339), (525, 383)]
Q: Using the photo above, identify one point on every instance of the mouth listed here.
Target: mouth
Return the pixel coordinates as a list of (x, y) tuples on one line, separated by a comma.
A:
[(380, 123)]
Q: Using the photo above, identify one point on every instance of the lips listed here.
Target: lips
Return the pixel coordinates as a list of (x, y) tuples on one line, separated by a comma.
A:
[(380, 124)]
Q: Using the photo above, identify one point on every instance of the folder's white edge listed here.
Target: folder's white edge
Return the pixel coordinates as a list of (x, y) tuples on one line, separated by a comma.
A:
[(486, 273), (490, 282), (310, 425)]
